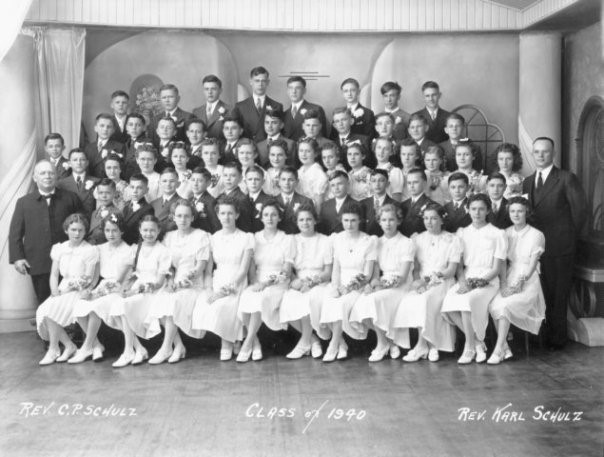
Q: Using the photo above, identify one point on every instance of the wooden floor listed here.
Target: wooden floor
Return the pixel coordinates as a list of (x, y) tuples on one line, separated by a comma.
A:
[(201, 407)]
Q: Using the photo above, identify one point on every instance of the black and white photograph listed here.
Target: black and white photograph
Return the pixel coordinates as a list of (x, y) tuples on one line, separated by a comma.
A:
[(257, 228)]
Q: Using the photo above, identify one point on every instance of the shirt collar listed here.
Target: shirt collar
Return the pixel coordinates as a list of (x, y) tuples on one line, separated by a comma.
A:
[(169, 197), (81, 175), (297, 105), (274, 137), (44, 194), (545, 172)]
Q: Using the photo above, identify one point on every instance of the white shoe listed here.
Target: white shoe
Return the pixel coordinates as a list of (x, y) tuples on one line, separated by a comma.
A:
[(236, 347), (256, 350), (124, 360), (160, 357), (298, 352), (226, 354), (416, 354), (81, 355), (330, 355), (342, 351), (315, 349), (97, 353), (507, 352), (467, 357), (67, 353), (140, 357), (395, 351), (495, 358), (178, 354), (49, 358), (481, 354), (377, 355), (433, 355)]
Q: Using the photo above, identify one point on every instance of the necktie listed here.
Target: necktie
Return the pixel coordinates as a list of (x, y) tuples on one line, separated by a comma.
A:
[(168, 114), (259, 104), (101, 144), (495, 208), (228, 148), (208, 110), (376, 203), (79, 182), (539, 181), (294, 111), (48, 197)]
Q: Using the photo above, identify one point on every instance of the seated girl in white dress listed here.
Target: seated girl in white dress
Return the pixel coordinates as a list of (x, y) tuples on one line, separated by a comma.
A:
[(189, 253), (76, 262), (312, 180), (354, 254), (277, 156), (216, 307), (509, 162), (467, 302), (465, 153), (520, 301), (269, 276), (436, 260), (378, 305), (383, 148), (115, 263), (301, 304), (438, 178), (151, 266)]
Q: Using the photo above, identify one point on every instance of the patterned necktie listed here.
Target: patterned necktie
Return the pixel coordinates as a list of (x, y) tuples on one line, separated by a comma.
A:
[(79, 182), (259, 104), (294, 111)]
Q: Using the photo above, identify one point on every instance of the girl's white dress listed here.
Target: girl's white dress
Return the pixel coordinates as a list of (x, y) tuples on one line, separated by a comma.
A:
[(526, 309), (438, 187), (312, 183), (269, 257), (396, 180), (154, 192), (360, 183), (152, 262), (312, 255), (113, 260), (481, 248), (380, 307), (351, 254), (186, 253), (422, 311), (220, 316), (74, 262)]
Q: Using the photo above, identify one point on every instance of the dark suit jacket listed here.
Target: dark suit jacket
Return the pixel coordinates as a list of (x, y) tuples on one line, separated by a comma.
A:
[(401, 127), (436, 131), (119, 135), (364, 124), (351, 139), (292, 127), (130, 167), (263, 152), (181, 117), (96, 235), (244, 221), (228, 156), (162, 212), (205, 219), (62, 172), (372, 226), (413, 221), (329, 219), (96, 164), (36, 226), (162, 161), (132, 220), (214, 123), (257, 206), (456, 218), (85, 195), (252, 120), (288, 219), (559, 210), (501, 220), (450, 163), (426, 143)]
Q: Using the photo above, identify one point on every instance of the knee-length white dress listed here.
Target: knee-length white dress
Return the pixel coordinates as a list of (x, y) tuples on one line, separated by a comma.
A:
[(481, 248), (433, 254), (220, 317), (352, 254), (269, 257), (186, 253), (313, 253), (113, 260), (152, 261), (526, 309), (74, 262)]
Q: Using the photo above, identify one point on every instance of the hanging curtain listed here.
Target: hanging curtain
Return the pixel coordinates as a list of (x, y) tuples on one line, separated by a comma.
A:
[(11, 20)]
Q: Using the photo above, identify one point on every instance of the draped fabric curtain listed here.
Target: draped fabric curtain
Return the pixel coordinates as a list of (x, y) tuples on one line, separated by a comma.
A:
[(11, 19)]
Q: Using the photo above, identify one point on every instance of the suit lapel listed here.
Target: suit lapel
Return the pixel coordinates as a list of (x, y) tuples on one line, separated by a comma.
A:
[(548, 185)]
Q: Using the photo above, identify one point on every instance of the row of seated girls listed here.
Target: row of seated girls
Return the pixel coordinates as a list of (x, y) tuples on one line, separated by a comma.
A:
[(231, 282)]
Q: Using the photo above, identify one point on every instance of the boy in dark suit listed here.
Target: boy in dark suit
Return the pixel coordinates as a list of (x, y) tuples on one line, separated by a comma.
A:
[(94, 151), (231, 177), (104, 193), (391, 93), (168, 182), (136, 129), (457, 208), (195, 130), (331, 211), (311, 126), (343, 135), (417, 131), (413, 208), (273, 123), (559, 210), (294, 115), (289, 200), (169, 98), (498, 216), (371, 205), (232, 131), (165, 138), (79, 182), (54, 145), (213, 111), (205, 205), (251, 110), (362, 117), (433, 113), (137, 208), (119, 106), (254, 179), (37, 224)]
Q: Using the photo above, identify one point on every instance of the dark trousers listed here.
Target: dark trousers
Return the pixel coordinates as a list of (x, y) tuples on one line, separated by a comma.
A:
[(556, 280), (41, 286)]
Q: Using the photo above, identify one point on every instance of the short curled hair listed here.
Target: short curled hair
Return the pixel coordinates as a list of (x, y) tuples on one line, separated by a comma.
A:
[(480, 197), (438, 209), (113, 157), (520, 201), (311, 142), (352, 208), (279, 143), (390, 208), (273, 203), (307, 208), (466, 142), (149, 218), (114, 218), (146, 147), (511, 148), (76, 218), (388, 141), (227, 200), (181, 202), (439, 152)]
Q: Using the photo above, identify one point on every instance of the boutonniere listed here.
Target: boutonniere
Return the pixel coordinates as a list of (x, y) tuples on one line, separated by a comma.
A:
[(135, 206), (215, 179), (180, 124), (296, 206), (350, 143), (259, 207), (421, 210), (104, 153), (398, 120), (303, 111), (186, 175), (88, 185), (165, 151), (66, 166), (358, 112), (269, 108), (221, 118), (199, 206), (221, 110), (103, 212)]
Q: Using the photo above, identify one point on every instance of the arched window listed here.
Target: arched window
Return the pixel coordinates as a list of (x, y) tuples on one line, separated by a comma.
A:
[(590, 146), (488, 136)]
